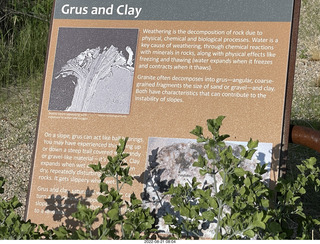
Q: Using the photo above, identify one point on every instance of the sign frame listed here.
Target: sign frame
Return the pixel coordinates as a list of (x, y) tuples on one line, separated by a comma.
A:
[(286, 111)]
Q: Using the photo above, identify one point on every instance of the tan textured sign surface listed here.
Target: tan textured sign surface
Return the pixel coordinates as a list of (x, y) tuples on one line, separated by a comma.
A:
[(122, 72)]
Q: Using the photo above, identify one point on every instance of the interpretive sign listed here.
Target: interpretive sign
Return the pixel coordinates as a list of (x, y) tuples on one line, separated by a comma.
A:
[(152, 70)]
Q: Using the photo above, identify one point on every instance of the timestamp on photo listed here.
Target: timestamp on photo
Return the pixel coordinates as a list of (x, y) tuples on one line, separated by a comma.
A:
[(160, 241)]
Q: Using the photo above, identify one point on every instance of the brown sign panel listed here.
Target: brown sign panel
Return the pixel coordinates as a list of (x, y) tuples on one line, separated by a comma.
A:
[(152, 72)]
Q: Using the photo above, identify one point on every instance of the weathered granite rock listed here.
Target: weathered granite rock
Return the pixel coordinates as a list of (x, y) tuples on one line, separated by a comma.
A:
[(104, 81), (173, 164)]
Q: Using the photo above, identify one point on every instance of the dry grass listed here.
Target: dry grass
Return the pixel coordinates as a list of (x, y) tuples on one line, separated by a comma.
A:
[(309, 30), (315, 54)]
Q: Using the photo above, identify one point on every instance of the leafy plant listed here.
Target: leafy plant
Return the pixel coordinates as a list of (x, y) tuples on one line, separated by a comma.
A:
[(242, 206), (120, 219), (237, 205), (289, 218), (13, 227)]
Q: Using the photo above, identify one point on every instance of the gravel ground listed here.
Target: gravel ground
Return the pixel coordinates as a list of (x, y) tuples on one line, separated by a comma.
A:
[(18, 120)]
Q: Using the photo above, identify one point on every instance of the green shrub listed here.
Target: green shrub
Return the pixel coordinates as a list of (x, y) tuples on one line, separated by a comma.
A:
[(13, 227), (120, 219), (242, 206)]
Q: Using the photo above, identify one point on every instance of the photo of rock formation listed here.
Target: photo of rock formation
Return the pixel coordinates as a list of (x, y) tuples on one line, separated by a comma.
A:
[(98, 77), (170, 161)]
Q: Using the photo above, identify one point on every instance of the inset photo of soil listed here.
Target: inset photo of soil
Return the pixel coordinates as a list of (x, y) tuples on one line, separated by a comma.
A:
[(93, 70)]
